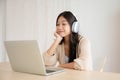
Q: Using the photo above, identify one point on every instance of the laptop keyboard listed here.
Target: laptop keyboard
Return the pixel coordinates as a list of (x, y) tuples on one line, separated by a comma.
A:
[(49, 71)]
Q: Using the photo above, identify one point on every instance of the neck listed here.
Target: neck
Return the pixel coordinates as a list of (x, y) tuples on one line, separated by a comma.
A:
[(67, 40)]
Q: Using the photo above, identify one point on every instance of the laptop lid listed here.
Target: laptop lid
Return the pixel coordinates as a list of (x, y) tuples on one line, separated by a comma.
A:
[(25, 56)]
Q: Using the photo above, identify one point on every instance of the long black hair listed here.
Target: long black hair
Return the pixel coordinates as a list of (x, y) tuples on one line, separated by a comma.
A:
[(74, 37)]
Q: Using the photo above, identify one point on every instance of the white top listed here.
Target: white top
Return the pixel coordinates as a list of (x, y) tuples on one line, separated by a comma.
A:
[(83, 59), (66, 59)]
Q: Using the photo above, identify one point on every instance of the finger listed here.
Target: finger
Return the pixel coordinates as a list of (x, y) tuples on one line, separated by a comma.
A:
[(56, 34)]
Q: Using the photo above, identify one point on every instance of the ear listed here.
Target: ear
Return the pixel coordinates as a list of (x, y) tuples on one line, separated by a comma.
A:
[(75, 27)]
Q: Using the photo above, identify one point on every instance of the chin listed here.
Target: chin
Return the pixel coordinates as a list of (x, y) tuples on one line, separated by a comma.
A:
[(62, 35)]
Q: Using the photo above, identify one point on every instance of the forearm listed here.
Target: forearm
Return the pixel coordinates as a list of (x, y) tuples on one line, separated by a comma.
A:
[(51, 50), (55, 44)]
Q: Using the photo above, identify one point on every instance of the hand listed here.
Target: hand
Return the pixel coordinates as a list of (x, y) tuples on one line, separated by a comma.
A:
[(58, 37), (68, 65)]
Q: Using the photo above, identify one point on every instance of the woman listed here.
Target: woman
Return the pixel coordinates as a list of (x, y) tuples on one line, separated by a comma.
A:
[(69, 48)]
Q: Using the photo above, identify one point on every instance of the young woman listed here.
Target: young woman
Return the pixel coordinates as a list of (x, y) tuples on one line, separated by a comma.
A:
[(69, 48)]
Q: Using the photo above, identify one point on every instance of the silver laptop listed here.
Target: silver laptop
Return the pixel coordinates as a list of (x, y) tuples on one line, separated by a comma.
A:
[(25, 56)]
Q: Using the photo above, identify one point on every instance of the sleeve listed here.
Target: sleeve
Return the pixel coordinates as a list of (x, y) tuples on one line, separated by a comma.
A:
[(50, 60), (84, 60)]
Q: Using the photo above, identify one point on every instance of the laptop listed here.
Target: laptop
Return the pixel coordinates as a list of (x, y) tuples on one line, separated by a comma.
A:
[(25, 56)]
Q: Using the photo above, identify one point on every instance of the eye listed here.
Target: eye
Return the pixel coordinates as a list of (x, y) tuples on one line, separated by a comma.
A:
[(64, 24), (57, 24)]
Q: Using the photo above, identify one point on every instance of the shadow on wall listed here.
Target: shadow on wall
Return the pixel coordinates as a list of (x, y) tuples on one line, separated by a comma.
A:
[(112, 46), (114, 56), (117, 26)]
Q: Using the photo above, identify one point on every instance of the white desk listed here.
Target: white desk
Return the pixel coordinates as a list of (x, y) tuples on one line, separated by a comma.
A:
[(6, 73)]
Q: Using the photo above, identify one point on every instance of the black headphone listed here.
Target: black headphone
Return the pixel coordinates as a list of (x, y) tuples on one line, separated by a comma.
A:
[(75, 27)]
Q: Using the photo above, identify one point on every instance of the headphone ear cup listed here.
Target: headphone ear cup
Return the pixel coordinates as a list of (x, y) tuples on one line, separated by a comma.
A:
[(75, 27)]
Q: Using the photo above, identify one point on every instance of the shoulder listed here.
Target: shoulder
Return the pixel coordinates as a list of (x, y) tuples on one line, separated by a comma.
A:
[(83, 40)]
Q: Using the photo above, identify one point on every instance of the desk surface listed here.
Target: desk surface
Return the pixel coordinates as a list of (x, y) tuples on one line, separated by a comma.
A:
[(6, 73)]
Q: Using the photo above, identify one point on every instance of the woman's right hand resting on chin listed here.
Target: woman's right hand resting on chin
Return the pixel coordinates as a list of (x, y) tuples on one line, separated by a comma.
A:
[(55, 44), (58, 37)]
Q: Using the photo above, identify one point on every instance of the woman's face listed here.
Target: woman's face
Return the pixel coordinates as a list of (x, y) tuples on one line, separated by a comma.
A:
[(63, 27)]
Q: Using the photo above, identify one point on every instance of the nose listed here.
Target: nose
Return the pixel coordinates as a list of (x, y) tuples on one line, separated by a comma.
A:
[(59, 27)]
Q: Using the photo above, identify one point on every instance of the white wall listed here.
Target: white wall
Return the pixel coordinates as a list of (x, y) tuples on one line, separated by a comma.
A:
[(99, 20), (2, 30)]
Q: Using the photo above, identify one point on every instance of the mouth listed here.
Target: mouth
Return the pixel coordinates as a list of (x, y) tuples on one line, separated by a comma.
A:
[(60, 31)]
